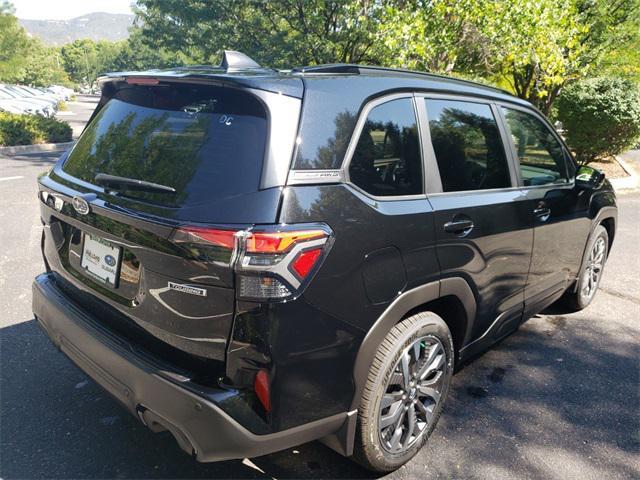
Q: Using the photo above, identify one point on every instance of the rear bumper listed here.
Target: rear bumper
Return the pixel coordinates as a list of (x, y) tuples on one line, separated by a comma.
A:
[(154, 395)]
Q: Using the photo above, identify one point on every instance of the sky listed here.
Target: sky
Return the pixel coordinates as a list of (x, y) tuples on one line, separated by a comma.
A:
[(66, 9)]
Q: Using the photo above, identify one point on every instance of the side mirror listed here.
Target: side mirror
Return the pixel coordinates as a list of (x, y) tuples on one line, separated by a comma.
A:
[(589, 177)]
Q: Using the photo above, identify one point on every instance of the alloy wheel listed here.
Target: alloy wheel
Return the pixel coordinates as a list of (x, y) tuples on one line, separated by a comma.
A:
[(593, 271), (412, 394)]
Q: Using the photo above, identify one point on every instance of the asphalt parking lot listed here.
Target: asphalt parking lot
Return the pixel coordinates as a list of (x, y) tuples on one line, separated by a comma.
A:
[(560, 398), (78, 112)]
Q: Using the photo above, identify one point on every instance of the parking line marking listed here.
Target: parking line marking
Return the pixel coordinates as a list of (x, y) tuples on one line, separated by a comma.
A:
[(2, 179)]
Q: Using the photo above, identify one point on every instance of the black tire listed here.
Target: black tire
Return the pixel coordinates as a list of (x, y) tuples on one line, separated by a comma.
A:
[(575, 298), (434, 346)]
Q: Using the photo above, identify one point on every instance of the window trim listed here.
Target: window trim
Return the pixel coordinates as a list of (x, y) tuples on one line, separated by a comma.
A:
[(355, 137), (432, 161), (570, 183), (432, 183)]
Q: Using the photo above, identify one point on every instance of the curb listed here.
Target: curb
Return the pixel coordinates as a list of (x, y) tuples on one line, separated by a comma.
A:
[(41, 147), (627, 183)]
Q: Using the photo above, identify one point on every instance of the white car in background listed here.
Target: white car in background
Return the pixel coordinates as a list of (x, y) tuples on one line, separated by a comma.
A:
[(13, 107), (29, 104), (16, 105), (21, 92), (37, 93), (64, 92)]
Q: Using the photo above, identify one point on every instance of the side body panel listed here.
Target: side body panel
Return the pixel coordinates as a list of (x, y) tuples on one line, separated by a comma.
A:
[(559, 241), (562, 217), (309, 346), (493, 257)]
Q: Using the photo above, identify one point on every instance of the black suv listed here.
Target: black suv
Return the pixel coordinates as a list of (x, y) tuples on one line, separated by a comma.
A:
[(253, 259)]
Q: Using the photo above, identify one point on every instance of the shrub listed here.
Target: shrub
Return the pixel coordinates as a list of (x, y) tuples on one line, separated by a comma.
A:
[(55, 131), (18, 129), (601, 116)]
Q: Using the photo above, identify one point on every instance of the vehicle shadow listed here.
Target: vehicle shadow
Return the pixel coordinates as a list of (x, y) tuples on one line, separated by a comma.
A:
[(57, 423), (543, 393)]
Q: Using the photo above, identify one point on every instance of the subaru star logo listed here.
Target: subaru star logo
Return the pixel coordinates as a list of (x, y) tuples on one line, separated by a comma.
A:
[(80, 205), (110, 260)]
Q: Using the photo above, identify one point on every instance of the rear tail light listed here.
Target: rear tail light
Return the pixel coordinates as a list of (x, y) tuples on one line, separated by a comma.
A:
[(272, 263), (212, 236), (261, 287), (277, 265), (305, 261), (276, 242)]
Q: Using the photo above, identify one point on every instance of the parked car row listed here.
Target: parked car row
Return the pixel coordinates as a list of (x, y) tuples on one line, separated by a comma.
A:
[(32, 100)]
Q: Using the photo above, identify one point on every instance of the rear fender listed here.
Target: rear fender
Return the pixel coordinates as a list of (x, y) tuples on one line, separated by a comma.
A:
[(397, 310)]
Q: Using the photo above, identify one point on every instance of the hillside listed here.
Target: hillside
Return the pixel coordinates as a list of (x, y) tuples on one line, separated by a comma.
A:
[(96, 26)]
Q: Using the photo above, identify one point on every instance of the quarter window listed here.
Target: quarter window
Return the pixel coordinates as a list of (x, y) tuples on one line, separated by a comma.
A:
[(387, 160), (541, 156), (467, 145)]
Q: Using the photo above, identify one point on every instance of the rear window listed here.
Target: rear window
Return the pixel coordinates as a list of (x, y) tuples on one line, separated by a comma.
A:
[(206, 142)]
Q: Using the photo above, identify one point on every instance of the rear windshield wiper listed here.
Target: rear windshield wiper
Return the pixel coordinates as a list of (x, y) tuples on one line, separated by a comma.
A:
[(123, 183)]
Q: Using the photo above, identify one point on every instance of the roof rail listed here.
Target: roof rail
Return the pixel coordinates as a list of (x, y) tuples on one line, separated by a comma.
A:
[(196, 67), (374, 68), (356, 69), (329, 68), (232, 60)]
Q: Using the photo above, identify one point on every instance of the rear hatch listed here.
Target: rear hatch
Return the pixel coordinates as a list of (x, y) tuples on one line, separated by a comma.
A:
[(159, 161)]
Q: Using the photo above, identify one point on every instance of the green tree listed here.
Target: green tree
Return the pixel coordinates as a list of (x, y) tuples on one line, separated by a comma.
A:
[(135, 54), (601, 116), (43, 67), (613, 39), (24, 59), (279, 34), (433, 35), (532, 45), (14, 44), (81, 60), (537, 47)]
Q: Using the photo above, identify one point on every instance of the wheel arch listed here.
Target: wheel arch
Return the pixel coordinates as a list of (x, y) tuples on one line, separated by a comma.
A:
[(605, 213), (450, 298), (609, 223), (607, 216)]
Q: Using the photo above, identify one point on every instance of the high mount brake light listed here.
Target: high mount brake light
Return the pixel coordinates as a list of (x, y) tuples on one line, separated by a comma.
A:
[(269, 265), (142, 81)]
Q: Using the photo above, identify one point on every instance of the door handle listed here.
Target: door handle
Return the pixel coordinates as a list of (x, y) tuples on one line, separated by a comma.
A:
[(459, 227), (543, 213)]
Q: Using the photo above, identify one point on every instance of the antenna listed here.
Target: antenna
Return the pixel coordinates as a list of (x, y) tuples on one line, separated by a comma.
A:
[(232, 60)]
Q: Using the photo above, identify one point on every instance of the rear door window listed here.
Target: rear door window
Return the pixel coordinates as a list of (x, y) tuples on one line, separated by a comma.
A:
[(387, 159), (467, 145), (206, 142), (541, 157)]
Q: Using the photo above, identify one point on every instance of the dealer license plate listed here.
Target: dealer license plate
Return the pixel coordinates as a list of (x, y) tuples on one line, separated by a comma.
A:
[(100, 259)]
